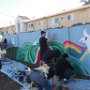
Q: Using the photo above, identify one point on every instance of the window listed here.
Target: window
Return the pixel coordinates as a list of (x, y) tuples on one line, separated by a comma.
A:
[(55, 21), (30, 25), (62, 17), (71, 17), (40, 23)]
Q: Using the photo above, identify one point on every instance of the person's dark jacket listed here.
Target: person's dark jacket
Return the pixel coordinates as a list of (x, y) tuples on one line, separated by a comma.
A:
[(0, 65), (49, 55), (43, 45), (61, 66)]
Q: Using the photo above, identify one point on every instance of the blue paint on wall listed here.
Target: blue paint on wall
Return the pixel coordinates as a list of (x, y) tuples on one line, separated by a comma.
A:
[(73, 34)]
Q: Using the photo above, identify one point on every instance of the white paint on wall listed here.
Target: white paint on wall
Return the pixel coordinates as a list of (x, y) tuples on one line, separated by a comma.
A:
[(86, 39)]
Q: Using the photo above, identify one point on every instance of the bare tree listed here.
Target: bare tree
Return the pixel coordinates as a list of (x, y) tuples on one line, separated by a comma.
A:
[(85, 2)]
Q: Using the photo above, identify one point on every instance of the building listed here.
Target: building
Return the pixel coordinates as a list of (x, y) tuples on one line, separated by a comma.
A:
[(12, 29), (63, 19), (8, 30), (20, 23)]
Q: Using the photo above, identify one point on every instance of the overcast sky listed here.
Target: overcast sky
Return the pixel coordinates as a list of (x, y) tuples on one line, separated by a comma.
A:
[(10, 9)]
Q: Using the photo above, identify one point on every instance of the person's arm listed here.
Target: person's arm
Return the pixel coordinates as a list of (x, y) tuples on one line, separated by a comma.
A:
[(50, 39)]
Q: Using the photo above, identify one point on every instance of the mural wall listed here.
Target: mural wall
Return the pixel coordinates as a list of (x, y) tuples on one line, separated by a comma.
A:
[(74, 40)]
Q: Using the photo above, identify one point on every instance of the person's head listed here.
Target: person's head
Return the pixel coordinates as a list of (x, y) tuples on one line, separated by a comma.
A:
[(65, 55), (43, 33), (5, 40)]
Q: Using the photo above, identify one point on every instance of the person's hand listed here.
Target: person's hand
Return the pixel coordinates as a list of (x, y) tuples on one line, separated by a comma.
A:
[(44, 65), (53, 35)]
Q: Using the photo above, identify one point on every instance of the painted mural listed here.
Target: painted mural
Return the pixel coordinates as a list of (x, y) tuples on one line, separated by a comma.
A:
[(31, 53), (74, 40), (76, 50)]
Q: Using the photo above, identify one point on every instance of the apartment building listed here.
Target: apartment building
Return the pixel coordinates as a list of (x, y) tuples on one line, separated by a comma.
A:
[(63, 19), (8, 30)]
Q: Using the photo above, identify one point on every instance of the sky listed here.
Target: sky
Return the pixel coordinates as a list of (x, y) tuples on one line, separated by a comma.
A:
[(10, 9)]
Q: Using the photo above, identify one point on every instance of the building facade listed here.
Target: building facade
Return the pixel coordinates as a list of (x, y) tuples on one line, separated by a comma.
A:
[(64, 19), (8, 30)]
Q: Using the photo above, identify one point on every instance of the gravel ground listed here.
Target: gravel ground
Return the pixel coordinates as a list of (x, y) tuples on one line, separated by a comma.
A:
[(7, 84)]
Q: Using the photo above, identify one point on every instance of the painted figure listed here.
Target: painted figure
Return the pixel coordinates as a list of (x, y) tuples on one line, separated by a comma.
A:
[(86, 39)]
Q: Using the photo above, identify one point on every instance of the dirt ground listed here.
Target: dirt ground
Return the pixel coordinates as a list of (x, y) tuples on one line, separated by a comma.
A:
[(8, 84)]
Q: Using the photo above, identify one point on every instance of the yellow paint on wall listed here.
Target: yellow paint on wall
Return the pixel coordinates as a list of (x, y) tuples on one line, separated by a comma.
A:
[(83, 56)]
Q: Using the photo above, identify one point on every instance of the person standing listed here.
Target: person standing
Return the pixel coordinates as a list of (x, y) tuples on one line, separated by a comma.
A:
[(43, 42)]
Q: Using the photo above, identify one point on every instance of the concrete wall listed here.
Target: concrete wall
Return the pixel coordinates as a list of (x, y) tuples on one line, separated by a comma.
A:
[(78, 36), (73, 34)]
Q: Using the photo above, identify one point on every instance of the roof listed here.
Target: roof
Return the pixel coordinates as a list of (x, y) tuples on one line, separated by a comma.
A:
[(24, 17), (75, 9), (7, 26), (83, 7)]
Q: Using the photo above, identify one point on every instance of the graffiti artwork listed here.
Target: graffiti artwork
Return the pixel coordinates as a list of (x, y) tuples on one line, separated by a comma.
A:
[(31, 53), (76, 50), (77, 46)]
